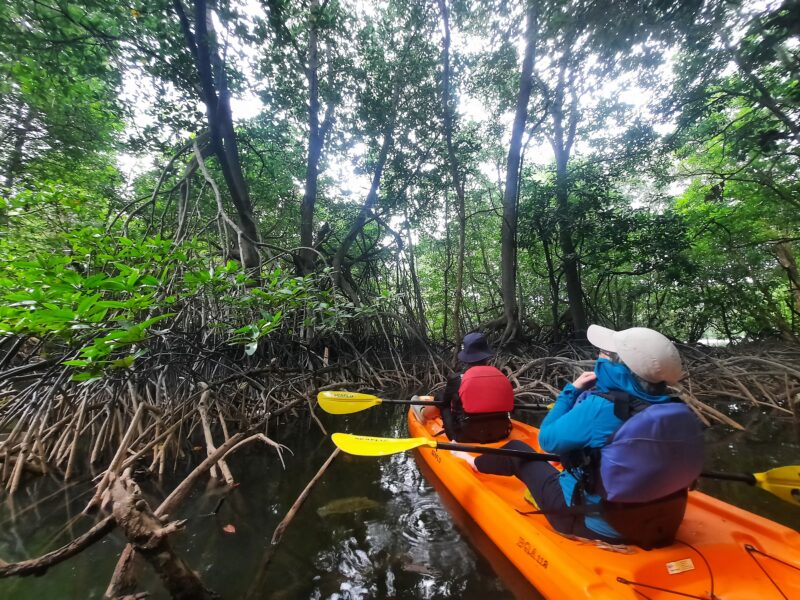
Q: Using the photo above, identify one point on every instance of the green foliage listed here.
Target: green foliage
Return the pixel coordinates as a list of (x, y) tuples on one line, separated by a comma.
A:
[(694, 235), (59, 92), (101, 300), (737, 144)]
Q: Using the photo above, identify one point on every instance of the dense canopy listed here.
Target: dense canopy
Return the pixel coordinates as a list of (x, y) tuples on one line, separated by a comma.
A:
[(525, 167)]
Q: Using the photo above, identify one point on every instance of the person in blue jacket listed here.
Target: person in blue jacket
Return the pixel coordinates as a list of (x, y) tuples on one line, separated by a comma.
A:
[(639, 361)]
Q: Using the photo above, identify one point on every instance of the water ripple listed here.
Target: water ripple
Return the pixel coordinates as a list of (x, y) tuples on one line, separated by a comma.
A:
[(427, 521)]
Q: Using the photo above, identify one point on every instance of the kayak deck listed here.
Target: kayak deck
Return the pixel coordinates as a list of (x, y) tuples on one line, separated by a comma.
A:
[(721, 551)]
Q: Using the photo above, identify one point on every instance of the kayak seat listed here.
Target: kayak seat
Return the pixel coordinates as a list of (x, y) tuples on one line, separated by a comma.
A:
[(482, 428), (648, 524)]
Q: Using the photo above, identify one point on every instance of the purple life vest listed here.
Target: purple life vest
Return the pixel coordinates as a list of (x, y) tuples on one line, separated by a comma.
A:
[(656, 452)]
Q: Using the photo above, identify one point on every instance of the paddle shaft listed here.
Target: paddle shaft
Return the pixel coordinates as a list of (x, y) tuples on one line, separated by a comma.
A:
[(436, 403), (415, 402), (524, 454), (743, 477)]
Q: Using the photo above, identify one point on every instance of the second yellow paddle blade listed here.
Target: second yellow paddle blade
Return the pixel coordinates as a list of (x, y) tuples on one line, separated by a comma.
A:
[(784, 482), (364, 445)]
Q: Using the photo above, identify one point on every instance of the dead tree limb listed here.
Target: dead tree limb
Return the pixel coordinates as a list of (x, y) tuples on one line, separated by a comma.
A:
[(38, 566), (149, 535), (123, 580), (277, 535)]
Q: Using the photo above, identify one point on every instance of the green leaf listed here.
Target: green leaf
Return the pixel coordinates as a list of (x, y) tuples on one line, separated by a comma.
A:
[(148, 322), (112, 304), (150, 280), (76, 363), (124, 362), (86, 377), (87, 303)]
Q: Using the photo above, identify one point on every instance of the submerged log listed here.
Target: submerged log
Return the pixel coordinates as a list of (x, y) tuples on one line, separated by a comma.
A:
[(148, 535)]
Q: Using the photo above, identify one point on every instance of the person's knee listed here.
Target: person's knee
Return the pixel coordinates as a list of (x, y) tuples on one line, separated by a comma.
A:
[(518, 445)]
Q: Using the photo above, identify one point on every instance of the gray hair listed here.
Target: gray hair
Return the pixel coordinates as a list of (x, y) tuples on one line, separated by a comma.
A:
[(654, 389)]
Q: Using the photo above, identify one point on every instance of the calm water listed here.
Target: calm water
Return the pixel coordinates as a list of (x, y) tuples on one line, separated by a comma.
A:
[(371, 528)]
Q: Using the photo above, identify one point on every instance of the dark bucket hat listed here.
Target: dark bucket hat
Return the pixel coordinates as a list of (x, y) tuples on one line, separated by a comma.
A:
[(475, 348)]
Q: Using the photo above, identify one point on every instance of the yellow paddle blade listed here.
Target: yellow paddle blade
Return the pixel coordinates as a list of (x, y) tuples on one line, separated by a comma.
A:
[(345, 403), (528, 497), (784, 482), (364, 445)]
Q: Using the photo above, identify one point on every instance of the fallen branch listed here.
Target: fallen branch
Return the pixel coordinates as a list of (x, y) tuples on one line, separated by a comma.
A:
[(256, 588), (149, 535), (123, 580), (38, 566)]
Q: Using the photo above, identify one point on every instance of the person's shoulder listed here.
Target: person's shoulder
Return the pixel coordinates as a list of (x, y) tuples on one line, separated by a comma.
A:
[(590, 399), (454, 377), (483, 370)]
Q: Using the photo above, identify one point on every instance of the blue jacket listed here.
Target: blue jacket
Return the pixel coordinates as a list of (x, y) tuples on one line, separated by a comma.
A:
[(589, 422)]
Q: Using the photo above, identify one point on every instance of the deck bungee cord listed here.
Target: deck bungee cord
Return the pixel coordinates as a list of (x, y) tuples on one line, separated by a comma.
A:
[(751, 550)]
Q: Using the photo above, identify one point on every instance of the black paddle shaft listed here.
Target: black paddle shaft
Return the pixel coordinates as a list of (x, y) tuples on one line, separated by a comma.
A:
[(415, 402), (744, 477), (524, 454), (437, 403)]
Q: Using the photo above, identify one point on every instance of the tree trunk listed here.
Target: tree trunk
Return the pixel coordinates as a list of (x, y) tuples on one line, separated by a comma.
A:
[(305, 263), (508, 234), (552, 279), (562, 145), (372, 197), (15, 158), (448, 264), (423, 326), (569, 255), (215, 95), (786, 258), (458, 183)]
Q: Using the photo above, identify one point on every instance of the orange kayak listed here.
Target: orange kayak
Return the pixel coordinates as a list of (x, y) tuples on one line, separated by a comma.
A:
[(721, 552)]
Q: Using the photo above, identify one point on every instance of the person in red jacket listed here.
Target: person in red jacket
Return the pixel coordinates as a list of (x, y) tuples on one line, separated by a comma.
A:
[(475, 405)]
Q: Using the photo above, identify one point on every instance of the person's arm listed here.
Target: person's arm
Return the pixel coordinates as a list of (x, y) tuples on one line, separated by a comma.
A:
[(563, 404), (568, 427), (450, 392)]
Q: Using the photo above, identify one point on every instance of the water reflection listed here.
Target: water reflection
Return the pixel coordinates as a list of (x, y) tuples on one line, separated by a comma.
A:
[(388, 529)]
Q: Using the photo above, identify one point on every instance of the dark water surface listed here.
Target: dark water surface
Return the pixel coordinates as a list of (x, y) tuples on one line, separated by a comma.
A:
[(371, 528)]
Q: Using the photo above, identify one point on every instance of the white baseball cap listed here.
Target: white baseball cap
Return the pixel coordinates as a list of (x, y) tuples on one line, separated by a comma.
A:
[(647, 353)]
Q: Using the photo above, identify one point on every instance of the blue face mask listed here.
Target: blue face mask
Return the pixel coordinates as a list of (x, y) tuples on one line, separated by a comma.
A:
[(617, 376), (611, 375)]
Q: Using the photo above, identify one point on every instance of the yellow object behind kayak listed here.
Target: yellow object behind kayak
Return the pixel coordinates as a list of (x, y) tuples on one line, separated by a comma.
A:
[(784, 482)]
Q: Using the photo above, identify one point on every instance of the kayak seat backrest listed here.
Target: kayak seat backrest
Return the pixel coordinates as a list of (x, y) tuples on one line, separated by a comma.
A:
[(483, 428), (648, 524)]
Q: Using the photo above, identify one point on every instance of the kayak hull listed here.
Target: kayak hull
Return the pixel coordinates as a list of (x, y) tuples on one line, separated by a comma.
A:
[(721, 551)]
